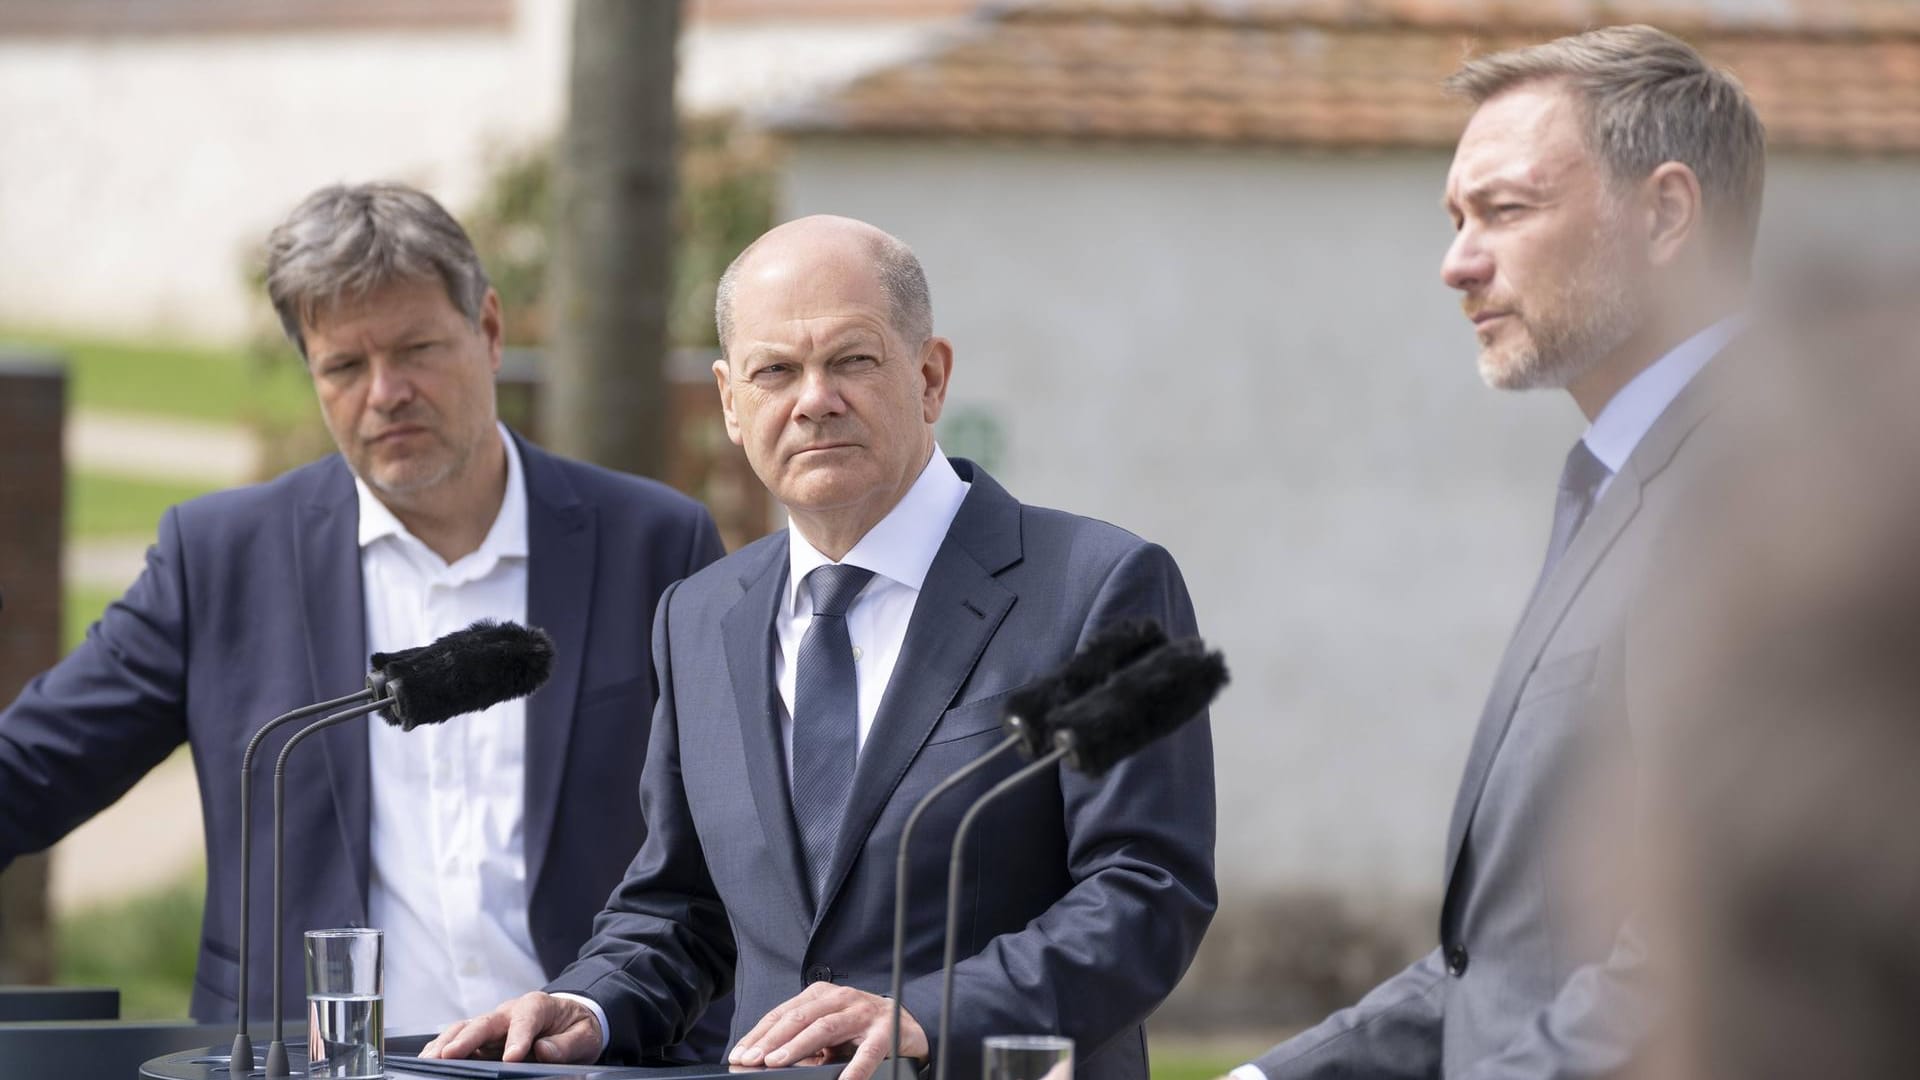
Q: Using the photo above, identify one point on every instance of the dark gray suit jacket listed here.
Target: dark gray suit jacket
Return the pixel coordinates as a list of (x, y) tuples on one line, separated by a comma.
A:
[(1084, 901), (1530, 980), (251, 605)]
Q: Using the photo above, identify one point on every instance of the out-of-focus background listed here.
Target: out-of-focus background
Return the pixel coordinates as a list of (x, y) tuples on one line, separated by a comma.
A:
[(1187, 251)]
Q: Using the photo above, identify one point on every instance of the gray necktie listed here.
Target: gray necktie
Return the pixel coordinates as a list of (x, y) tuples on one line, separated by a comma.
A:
[(1580, 482), (826, 718)]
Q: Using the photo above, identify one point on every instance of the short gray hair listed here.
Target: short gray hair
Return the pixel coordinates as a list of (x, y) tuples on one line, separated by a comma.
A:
[(1649, 98), (346, 240), (901, 278)]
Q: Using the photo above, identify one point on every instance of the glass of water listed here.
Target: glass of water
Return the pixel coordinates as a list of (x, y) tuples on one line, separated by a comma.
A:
[(345, 1023), (1027, 1057)]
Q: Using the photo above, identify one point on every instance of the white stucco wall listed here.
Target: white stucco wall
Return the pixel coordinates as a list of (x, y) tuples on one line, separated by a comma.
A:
[(137, 174), (1250, 358)]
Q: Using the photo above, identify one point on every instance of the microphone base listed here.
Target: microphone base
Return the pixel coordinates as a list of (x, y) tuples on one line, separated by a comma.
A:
[(241, 1062), (277, 1061)]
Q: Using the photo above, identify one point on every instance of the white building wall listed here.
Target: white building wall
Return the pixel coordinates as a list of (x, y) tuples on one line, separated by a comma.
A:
[(138, 175), (1250, 358)]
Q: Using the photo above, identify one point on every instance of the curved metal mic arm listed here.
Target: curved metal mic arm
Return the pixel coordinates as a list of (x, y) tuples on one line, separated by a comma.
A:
[(900, 879), (1040, 764), (243, 1042), (277, 1050)]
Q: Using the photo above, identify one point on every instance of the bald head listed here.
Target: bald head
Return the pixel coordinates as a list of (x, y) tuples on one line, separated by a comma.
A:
[(837, 246)]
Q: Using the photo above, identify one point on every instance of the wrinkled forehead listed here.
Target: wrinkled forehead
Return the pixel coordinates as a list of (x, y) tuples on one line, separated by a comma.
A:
[(792, 297), (1530, 135)]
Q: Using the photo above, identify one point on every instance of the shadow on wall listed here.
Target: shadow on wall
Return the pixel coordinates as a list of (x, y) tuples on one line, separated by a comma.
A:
[(1282, 961)]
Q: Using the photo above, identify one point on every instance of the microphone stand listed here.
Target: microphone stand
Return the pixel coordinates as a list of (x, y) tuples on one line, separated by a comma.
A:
[(242, 1041), (900, 876), (277, 1050), (1039, 765)]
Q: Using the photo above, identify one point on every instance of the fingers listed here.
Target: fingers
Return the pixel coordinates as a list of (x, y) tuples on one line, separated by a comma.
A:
[(747, 1052), (867, 1057), (543, 1017), (577, 1043), (822, 1023), (463, 1038)]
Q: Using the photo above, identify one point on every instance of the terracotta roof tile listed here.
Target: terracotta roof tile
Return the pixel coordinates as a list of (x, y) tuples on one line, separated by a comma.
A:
[(1831, 75)]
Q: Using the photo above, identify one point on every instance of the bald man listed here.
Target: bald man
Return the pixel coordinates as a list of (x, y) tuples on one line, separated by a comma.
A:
[(816, 684)]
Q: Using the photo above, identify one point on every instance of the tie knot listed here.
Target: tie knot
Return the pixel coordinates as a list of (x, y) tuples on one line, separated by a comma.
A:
[(1584, 473), (835, 586)]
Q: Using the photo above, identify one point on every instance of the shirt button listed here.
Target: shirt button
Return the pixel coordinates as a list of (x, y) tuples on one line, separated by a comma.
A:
[(856, 652), (819, 973), (470, 968)]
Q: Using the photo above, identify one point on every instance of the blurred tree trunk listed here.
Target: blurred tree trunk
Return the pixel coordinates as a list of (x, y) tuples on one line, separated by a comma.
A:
[(26, 926), (606, 388)]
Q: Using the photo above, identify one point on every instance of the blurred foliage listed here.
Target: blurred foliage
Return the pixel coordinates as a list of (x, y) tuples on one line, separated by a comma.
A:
[(145, 944), (107, 505), (725, 200), (1182, 1065), (178, 381)]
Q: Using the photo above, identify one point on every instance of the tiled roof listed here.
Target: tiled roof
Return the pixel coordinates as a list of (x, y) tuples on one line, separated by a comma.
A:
[(1826, 75)]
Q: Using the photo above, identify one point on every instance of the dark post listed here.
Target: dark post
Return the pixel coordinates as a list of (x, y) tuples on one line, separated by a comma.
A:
[(33, 392)]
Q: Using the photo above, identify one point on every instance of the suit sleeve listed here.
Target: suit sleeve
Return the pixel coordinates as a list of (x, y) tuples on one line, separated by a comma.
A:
[(662, 949), (1140, 853), (1394, 1032), (86, 730), (1591, 1029)]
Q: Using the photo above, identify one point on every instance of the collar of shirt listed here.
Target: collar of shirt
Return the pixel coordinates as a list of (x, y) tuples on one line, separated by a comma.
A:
[(1625, 420), (902, 546), (507, 539)]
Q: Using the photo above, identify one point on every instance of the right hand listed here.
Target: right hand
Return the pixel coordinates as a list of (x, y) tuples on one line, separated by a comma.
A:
[(535, 1026)]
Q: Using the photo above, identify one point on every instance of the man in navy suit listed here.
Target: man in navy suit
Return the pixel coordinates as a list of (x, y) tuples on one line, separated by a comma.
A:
[(485, 849), (816, 684)]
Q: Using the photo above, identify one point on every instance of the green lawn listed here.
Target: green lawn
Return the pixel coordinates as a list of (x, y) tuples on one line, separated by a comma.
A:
[(145, 945), (187, 382), (104, 505)]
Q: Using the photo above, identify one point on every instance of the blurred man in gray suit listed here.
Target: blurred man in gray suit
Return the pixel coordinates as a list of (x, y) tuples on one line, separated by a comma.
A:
[(816, 684), (1605, 196)]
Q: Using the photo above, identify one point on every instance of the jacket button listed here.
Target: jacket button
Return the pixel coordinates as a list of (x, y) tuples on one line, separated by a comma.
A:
[(1456, 961), (819, 973)]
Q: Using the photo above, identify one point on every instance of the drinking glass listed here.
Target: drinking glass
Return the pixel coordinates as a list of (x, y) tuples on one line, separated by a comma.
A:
[(1027, 1057), (345, 1024)]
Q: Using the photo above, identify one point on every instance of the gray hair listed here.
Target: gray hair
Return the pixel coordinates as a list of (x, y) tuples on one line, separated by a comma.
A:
[(345, 241), (1649, 98), (901, 278)]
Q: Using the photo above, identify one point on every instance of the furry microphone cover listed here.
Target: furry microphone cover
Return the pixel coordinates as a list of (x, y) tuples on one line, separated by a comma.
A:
[(466, 671), (1110, 648)]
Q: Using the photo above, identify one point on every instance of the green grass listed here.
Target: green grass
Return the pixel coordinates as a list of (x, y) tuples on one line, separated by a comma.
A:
[(81, 608), (146, 945), (105, 505), (1192, 1066), (188, 382)]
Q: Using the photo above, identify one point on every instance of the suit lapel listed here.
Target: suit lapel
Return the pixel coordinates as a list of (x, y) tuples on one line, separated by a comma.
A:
[(326, 544), (747, 634), (1615, 511), (561, 546), (960, 607)]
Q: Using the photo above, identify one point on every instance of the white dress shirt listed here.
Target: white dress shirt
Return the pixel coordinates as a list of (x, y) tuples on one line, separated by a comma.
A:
[(899, 550), (1622, 423), (448, 881)]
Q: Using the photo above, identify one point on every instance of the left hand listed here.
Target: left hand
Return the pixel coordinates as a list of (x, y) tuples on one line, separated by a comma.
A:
[(827, 1022)]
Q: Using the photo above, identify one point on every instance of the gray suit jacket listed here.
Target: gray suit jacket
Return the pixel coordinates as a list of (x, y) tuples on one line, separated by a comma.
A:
[(1530, 980), (1084, 901)]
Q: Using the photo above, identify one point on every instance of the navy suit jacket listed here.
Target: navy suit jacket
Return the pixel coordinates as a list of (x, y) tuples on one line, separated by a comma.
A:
[(1084, 900), (251, 605)]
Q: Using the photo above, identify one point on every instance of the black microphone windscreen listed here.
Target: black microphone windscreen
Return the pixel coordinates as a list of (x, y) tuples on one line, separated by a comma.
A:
[(466, 671), (1141, 702), (1110, 648)]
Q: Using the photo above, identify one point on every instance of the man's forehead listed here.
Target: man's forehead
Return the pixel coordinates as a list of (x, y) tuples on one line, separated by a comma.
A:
[(1527, 136)]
